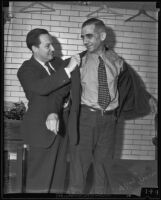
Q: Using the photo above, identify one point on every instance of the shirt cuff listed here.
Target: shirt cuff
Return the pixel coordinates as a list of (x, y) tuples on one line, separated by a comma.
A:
[(68, 72)]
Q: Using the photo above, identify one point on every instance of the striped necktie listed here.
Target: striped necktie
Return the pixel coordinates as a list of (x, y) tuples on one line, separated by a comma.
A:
[(103, 90), (49, 68)]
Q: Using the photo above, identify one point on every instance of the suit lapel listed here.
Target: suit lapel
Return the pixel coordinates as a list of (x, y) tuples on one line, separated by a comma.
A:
[(39, 67)]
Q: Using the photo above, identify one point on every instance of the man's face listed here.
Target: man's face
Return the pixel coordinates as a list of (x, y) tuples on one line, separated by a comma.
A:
[(45, 50), (92, 38)]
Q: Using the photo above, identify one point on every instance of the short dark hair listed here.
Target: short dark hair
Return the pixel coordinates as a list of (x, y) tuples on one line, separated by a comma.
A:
[(32, 38), (97, 22)]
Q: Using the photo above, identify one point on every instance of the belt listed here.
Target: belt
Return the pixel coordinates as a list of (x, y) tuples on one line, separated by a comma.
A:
[(102, 112)]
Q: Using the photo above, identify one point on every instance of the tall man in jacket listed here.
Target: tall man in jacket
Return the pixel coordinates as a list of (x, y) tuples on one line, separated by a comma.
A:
[(103, 89), (46, 82)]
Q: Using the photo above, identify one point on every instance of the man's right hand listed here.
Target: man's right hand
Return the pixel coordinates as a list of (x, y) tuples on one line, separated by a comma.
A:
[(52, 122), (74, 61)]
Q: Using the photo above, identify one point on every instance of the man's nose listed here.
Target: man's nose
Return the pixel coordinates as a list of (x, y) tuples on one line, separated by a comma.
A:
[(85, 41)]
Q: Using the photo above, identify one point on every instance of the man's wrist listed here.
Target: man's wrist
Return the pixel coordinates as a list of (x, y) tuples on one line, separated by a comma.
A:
[(67, 70)]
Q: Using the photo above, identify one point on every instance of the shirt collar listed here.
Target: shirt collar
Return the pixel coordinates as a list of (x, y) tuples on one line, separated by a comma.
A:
[(39, 61), (96, 55)]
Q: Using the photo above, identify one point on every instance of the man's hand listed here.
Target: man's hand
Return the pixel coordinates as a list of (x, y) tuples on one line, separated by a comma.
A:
[(52, 122), (74, 61), (153, 105)]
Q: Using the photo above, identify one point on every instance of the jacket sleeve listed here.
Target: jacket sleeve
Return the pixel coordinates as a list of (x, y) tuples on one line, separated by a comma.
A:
[(30, 80), (133, 98)]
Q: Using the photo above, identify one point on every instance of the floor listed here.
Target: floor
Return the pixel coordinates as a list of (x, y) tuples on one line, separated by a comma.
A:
[(126, 177)]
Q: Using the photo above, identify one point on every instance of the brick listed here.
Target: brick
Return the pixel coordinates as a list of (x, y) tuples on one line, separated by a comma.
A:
[(7, 71), (133, 126), (142, 132), (14, 55), (75, 42), (68, 35), (126, 152), (146, 137), (16, 60), (60, 29), (142, 30), (147, 147), (147, 69), (10, 77), (69, 24), (26, 56), (42, 16), (12, 66), (22, 26), (139, 52), (131, 57), (70, 13), (62, 40), (147, 157), (129, 157), (69, 47), (15, 94), (15, 82), (74, 30), (60, 18), (17, 21), (131, 146), (123, 28), (23, 15), (151, 153), (132, 137), (132, 34), (142, 121), (7, 82), (12, 88), (141, 142), (12, 99), (64, 52), (82, 8), (81, 48), (127, 141), (50, 23), (153, 53), (70, 53), (55, 34), (63, 6), (7, 93), (128, 131), (139, 152), (14, 44), (148, 58)]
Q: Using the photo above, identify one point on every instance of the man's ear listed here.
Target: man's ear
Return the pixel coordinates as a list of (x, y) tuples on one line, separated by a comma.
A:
[(103, 36), (34, 48)]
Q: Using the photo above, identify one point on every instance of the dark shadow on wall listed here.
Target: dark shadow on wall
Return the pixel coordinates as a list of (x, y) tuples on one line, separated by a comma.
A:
[(57, 47), (119, 135), (110, 40), (121, 122)]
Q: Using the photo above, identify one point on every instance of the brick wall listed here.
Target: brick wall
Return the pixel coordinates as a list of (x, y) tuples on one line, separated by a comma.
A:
[(136, 42)]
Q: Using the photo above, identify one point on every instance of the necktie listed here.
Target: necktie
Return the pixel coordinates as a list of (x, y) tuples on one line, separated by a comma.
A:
[(103, 90), (49, 68)]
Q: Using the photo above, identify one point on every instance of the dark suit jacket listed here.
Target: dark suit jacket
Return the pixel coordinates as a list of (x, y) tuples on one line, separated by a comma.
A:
[(133, 99), (45, 95)]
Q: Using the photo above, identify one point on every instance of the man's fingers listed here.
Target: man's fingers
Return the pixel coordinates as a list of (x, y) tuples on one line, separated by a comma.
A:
[(57, 126), (52, 125)]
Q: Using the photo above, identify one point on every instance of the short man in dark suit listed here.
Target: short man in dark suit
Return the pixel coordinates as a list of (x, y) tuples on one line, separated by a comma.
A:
[(45, 84)]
